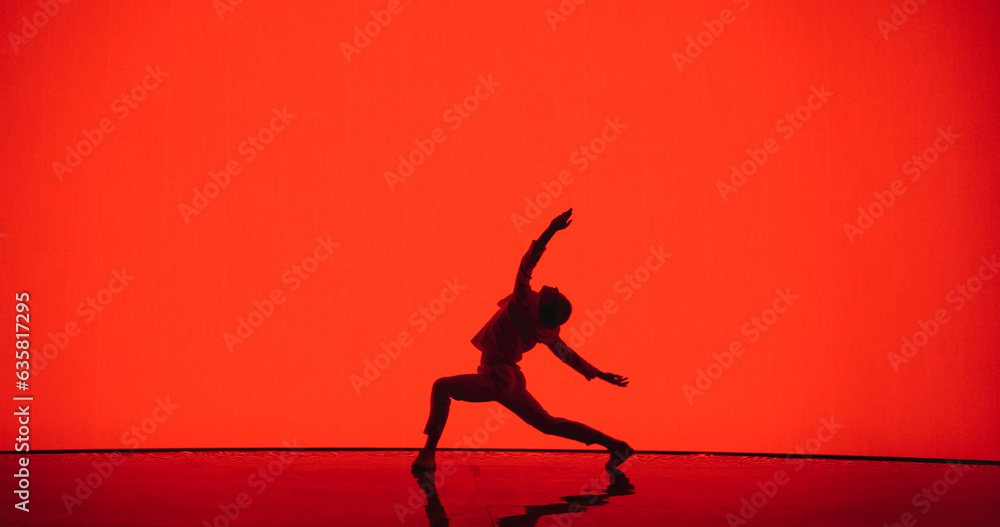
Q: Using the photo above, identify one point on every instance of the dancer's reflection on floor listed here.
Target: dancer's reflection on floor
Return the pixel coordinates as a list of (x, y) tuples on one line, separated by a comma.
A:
[(436, 516), (572, 506)]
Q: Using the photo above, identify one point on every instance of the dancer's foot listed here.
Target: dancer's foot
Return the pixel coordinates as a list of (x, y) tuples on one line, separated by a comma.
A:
[(424, 461), (619, 454)]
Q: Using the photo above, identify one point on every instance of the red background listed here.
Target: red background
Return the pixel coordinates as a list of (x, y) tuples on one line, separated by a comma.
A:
[(656, 184)]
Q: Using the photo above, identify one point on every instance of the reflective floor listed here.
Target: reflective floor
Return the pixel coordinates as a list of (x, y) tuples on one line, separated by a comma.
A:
[(494, 488)]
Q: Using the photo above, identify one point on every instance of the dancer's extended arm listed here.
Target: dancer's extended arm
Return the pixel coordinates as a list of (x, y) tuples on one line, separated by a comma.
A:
[(530, 259), (575, 361)]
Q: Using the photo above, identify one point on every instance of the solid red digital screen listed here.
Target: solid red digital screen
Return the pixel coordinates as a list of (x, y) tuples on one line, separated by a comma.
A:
[(246, 225)]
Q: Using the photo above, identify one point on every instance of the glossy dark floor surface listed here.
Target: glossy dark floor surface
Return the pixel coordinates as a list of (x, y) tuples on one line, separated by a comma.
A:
[(494, 488)]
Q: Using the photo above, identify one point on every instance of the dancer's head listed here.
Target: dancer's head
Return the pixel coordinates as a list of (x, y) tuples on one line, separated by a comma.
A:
[(553, 308)]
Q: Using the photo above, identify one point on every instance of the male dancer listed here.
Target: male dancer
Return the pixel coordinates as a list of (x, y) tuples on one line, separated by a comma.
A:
[(525, 318)]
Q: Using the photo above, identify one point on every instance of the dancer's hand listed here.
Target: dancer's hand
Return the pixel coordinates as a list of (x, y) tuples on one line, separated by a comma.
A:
[(558, 223), (617, 380), (561, 221)]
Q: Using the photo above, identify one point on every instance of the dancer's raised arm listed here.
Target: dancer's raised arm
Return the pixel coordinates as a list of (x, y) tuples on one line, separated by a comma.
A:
[(522, 283)]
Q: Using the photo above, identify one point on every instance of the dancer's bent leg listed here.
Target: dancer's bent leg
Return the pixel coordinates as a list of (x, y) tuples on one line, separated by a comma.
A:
[(471, 387)]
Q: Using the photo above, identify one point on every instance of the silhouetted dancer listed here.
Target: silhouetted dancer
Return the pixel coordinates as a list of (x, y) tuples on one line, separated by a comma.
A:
[(524, 319)]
